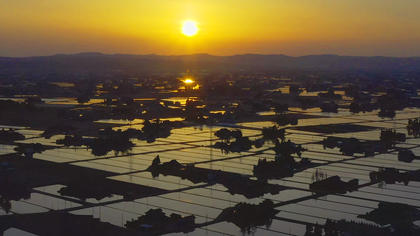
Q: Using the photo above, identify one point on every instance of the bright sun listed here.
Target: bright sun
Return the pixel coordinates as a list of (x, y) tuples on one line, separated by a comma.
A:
[(189, 28)]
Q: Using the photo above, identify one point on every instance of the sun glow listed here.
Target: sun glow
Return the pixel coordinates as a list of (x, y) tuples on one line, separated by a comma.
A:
[(188, 81), (189, 28)]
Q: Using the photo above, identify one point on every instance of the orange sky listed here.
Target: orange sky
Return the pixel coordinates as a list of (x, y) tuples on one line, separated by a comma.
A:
[(227, 27)]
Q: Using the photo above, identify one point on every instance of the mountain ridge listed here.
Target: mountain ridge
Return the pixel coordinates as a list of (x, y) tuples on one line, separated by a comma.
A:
[(96, 61)]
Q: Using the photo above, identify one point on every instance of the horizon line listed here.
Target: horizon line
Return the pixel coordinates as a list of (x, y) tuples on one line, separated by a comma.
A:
[(194, 54)]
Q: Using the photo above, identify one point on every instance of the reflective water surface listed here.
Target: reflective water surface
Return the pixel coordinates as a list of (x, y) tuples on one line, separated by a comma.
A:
[(193, 145)]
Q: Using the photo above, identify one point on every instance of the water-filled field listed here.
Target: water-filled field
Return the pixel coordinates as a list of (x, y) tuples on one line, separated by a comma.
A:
[(297, 205)]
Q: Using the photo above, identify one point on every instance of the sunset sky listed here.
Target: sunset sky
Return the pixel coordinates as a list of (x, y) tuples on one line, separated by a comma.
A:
[(226, 27)]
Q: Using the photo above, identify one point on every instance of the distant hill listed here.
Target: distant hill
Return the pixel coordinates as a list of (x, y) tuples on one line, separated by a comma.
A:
[(105, 63)]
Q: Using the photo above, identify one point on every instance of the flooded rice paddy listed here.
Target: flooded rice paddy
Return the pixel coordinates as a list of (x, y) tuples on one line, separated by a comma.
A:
[(192, 145)]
